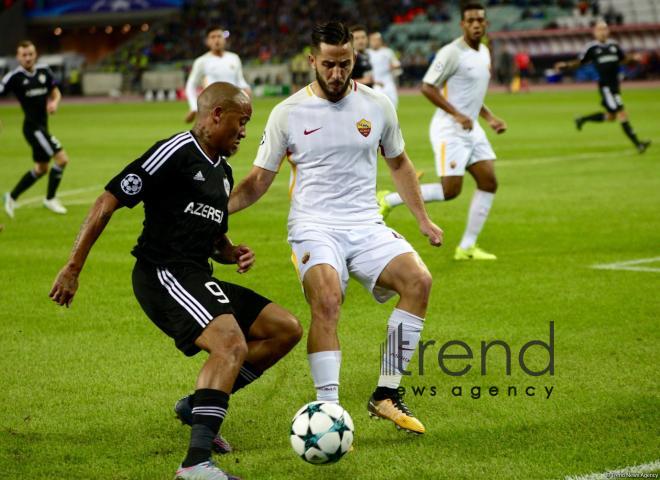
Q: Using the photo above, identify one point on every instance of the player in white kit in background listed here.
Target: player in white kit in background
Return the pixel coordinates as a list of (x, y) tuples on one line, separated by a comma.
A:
[(462, 70), (331, 132), (216, 65), (385, 67)]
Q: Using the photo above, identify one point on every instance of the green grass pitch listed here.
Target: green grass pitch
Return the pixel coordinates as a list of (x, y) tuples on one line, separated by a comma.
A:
[(88, 392)]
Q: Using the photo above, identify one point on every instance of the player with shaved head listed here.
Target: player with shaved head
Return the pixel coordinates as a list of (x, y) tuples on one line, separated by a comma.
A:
[(184, 183)]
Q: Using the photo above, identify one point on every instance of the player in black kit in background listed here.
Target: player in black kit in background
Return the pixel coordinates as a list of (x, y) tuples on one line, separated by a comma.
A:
[(362, 68), (606, 55), (34, 86), (185, 183)]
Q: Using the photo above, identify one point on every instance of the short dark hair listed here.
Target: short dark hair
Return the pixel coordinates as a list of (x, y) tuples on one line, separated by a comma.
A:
[(332, 33), (358, 28), (465, 6), (212, 28), (25, 44)]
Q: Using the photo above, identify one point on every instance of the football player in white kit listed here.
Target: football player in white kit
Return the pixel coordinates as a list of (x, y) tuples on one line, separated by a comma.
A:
[(462, 70), (331, 132), (385, 67), (216, 65)]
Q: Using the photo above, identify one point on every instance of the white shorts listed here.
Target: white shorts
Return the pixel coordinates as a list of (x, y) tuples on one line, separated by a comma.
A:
[(361, 252), (456, 149)]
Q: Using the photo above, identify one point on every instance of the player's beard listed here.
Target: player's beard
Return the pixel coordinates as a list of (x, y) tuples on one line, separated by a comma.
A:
[(332, 96)]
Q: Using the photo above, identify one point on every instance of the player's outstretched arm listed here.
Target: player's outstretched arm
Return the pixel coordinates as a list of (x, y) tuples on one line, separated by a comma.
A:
[(227, 253), (405, 179), (250, 189), (66, 283), (495, 123)]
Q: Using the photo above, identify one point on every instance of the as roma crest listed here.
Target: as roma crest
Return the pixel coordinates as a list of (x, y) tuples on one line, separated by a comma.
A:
[(364, 127)]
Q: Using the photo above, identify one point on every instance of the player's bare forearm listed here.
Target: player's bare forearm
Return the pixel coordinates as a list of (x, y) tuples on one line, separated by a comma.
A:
[(250, 189), (485, 113), (54, 100), (222, 249), (434, 96), (66, 283), (97, 218), (405, 179)]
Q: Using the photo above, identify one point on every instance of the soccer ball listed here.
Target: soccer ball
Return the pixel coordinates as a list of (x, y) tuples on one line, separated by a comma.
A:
[(321, 432)]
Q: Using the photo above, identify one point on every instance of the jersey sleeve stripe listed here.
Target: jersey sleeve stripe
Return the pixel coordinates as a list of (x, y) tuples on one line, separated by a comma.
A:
[(166, 155), (165, 145)]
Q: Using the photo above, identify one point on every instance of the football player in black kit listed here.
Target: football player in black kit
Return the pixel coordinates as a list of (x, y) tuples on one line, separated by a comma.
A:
[(184, 183), (34, 86), (606, 55), (362, 68)]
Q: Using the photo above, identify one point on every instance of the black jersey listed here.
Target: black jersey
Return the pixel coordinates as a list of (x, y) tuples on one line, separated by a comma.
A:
[(362, 67), (32, 90), (606, 57), (185, 196)]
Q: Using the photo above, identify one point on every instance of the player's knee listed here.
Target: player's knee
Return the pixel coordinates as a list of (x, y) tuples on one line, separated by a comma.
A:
[(610, 117), (62, 159), (236, 349), (40, 169), (451, 190), (291, 329), (419, 286), (325, 309), (488, 185)]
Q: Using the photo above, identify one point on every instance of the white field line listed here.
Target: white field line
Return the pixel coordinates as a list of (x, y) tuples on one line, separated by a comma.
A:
[(61, 194), (560, 158), (646, 470), (631, 265)]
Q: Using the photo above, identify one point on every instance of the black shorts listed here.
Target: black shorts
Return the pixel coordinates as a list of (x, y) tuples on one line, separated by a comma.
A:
[(610, 96), (183, 300), (44, 145)]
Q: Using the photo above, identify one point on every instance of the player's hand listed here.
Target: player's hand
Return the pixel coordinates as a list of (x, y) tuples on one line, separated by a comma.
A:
[(498, 125), (560, 66), (463, 121), (244, 257), (51, 107), (190, 117), (433, 232), (64, 286)]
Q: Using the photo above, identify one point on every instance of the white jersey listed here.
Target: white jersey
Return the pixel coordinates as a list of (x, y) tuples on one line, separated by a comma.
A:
[(382, 61), (463, 74), (333, 149), (213, 68)]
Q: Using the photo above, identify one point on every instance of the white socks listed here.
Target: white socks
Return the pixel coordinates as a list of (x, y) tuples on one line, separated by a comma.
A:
[(401, 327), (431, 192), (479, 208), (325, 372)]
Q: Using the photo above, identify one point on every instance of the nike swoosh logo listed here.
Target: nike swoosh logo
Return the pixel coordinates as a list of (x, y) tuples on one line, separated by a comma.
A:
[(307, 132)]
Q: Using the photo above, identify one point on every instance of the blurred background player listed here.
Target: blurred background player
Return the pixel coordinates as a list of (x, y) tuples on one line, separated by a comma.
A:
[(524, 69), (216, 65), (362, 70), (185, 183), (462, 70), (35, 88), (385, 67), (606, 55), (331, 132)]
